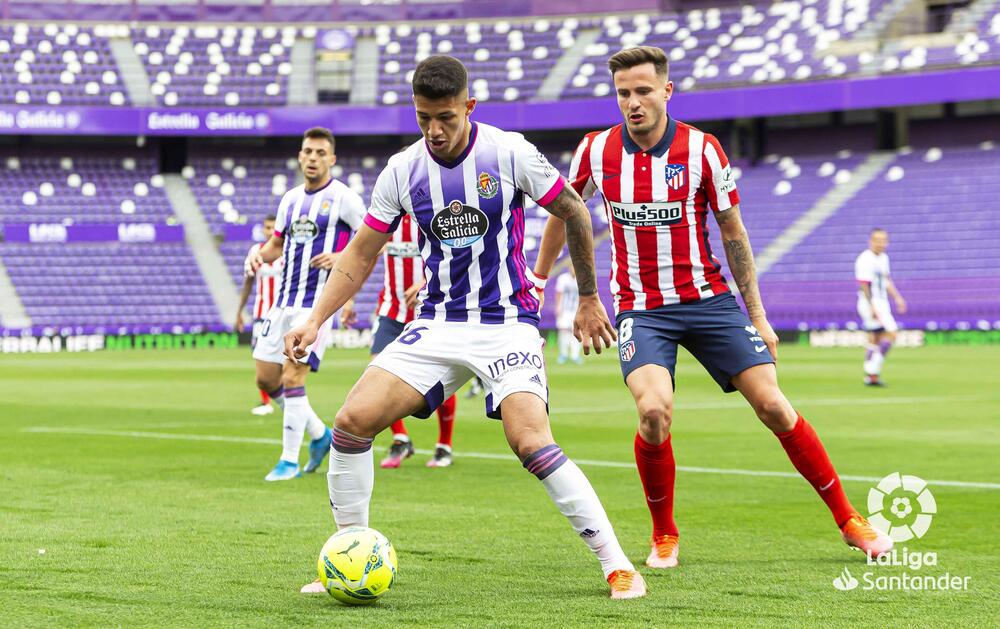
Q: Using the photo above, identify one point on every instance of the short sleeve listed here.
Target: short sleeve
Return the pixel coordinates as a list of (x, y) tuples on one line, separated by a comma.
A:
[(863, 269), (717, 176), (352, 209), (580, 172), (386, 207), (281, 218), (534, 174)]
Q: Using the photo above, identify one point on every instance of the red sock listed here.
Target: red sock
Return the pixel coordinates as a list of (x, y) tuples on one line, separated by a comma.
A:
[(264, 398), (398, 428), (446, 421), (809, 457), (657, 472)]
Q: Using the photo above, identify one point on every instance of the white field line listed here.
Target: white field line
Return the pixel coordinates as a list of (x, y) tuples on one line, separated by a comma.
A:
[(473, 455)]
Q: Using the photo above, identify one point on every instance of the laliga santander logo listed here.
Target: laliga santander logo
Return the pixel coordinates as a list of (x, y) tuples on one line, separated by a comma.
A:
[(902, 506), (845, 581)]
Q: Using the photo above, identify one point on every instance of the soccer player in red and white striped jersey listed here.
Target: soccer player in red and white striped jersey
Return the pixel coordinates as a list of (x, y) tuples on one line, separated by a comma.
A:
[(397, 305), (661, 180), (266, 280)]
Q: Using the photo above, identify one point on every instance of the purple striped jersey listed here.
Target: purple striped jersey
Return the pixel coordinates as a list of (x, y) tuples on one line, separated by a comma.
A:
[(471, 218), (321, 221)]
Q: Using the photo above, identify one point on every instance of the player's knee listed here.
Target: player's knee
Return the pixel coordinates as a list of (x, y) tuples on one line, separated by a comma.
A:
[(655, 414), (775, 411), (528, 442), (353, 421)]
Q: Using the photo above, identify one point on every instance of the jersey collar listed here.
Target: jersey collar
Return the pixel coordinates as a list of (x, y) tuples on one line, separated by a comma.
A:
[(461, 157), (320, 189), (661, 147)]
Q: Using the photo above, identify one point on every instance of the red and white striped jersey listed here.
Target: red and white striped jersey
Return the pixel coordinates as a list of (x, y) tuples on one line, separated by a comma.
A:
[(657, 204), (403, 268), (268, 277)]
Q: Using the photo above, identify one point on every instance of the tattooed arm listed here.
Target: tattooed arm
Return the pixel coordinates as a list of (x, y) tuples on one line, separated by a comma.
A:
[(354, 265), (741, 265), (591, 325)]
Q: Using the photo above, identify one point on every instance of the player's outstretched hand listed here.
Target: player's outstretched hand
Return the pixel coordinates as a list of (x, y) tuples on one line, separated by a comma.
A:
[(299, 339), (410, 294), (240, 323), (324, 261), (767, 334), (592, 326), (252, 262)]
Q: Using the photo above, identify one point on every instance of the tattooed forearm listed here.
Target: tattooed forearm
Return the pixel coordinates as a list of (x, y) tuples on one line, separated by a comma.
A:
[(344, 273), (740, 257), (579, 237)]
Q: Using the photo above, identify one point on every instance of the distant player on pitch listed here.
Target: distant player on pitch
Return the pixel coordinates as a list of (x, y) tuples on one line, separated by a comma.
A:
[(314, 223), (661, 180), (464, 184), (397, 304), (871, 270), (567, 299), (267, 279)]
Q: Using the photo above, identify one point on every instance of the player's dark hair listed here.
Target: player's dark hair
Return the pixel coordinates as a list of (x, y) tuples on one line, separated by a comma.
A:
[(270, 217), (320, 133), (876, 230), (632, 57), (440, 76)]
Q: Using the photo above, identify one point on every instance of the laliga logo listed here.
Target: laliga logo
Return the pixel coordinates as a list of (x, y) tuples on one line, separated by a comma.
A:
[(902, 506)]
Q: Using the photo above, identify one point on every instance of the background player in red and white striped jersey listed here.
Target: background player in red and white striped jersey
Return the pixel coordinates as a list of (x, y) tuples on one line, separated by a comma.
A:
[(397, 303), (266, 279), (661, 179)]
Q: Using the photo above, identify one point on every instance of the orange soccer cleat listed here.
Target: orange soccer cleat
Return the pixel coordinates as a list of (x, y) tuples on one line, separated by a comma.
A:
[(626, 584), (860, 534), (664, 552)]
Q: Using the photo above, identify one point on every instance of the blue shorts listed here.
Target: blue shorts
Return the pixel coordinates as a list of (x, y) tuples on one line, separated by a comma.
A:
[(715, 330), (386, 331)]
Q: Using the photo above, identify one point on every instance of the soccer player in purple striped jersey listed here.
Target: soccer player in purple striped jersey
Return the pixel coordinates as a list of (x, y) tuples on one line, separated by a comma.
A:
[(464, 183), (314, 224)]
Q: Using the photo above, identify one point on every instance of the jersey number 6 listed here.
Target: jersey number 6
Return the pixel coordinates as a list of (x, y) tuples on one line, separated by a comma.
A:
[(412, 336)]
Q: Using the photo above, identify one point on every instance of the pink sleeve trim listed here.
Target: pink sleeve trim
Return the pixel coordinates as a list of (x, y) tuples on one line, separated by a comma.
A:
[(553, 192), (278, 234), (376, 224)]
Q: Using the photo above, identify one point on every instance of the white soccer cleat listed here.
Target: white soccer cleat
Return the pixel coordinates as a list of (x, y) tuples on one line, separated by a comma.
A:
[(263, 409), (316, 587), (664, 552), (626, 584)]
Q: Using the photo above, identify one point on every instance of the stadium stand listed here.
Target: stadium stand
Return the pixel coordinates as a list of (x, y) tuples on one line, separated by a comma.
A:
[(59, 64), (216, 66)]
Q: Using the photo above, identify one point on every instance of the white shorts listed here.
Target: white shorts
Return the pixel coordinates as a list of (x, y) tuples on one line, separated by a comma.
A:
[(565, 322), (437, 357), (270, 344), (885, 319)]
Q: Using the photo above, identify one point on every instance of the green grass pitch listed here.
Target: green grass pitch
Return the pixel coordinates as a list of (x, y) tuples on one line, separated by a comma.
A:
[(140, 475)]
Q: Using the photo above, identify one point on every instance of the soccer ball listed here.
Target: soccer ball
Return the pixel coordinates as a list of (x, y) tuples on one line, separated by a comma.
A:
[(357, 565)]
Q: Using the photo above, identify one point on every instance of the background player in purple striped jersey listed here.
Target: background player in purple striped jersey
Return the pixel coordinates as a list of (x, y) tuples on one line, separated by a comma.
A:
[(464, 183), (314, 222)]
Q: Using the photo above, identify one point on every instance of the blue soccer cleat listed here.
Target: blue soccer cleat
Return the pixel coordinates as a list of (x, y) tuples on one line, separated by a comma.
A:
[(318, 450), (284, 470)]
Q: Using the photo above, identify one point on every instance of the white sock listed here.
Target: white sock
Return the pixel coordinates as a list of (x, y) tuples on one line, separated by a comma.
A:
[(314, 425), (564, 337), (871, 352), (575, 498), (296, 416), (350, 479)]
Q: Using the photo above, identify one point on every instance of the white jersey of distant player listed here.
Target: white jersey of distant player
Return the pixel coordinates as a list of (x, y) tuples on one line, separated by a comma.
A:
[(873, 269), (311, 223), (568, 293), (267, 279)]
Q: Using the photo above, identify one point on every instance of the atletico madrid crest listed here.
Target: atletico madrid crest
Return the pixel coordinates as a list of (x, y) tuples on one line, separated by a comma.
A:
[(488, 185), (675, 176)]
